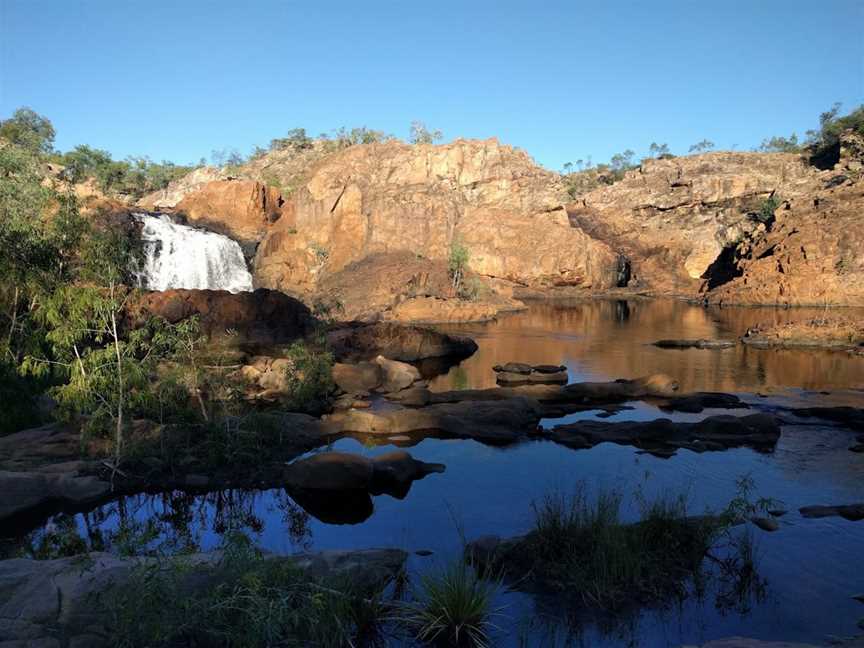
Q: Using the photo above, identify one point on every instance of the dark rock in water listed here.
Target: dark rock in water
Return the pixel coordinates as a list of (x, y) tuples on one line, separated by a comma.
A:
[(660, 453), (518, 373), (549, 369), (859, 448), (695, 344), (859, 598), (24, 491), (760, 431), (534, 378), (423, 552), (513, 368), (850, 417), (259, 317), (766, 523), (695, 403), (777, 512), (490, 421), (335, 507), (342, 471), (60, 602), (397, 342), (851, 512)]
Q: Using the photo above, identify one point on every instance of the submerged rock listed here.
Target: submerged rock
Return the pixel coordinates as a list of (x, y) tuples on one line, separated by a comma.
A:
[(766, 523), (851, 512), (695, 344), (760, 431)]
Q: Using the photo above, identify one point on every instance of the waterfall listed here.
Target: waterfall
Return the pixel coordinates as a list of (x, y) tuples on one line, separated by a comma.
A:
[(177, 256)]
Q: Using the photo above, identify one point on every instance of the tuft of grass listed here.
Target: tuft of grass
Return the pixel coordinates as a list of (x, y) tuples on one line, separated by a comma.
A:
[(453, 608), (582, 548), (245, 601)]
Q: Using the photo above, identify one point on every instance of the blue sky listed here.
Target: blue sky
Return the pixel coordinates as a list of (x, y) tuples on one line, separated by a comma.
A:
[(563, 80)]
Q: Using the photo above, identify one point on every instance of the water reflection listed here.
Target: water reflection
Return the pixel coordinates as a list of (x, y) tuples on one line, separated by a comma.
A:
[(602, 340)]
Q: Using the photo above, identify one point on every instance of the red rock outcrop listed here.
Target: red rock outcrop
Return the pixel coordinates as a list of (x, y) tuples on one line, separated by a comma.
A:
[(260, 317), (813, 254), (240, 209), (392, 197), (673, 218)]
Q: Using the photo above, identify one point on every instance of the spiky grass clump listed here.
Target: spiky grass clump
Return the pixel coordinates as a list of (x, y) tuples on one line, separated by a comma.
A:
[(453, 608), (582, 548)]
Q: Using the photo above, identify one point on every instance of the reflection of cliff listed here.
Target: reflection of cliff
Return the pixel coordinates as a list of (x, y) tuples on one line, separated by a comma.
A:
[(612, 339)]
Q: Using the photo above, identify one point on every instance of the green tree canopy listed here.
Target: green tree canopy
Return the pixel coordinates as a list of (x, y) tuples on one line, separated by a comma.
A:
[(29, 130)]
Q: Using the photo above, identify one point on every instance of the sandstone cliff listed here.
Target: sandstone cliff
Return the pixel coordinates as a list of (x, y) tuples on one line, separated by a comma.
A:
[(392, 197), (674, 219)]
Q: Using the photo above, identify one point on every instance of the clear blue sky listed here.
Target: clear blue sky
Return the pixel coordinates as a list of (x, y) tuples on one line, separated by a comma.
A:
[(563, 80)]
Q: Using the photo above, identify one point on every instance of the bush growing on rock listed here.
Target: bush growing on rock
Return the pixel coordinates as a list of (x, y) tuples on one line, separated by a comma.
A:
[(419, 134)]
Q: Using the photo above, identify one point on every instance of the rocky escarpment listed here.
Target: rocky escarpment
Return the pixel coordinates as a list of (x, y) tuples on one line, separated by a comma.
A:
[(391, 197), (678, 219), (813, 253)]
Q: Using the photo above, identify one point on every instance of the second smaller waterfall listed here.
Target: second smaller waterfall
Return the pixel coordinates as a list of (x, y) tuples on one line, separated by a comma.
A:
[(177, 256)]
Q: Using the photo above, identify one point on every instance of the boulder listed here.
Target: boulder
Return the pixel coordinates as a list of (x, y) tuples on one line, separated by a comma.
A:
[(357, 378), (259, 317), (396, 375), (342, 471), (397, 342), (21, 492), (769, 524)]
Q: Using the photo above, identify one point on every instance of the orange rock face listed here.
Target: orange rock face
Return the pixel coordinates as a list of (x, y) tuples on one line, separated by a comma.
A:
[(812, 255), (392, 197), (673, 218)]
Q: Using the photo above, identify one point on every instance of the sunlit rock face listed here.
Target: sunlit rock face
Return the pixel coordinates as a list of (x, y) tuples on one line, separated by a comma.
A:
[(178, 256)]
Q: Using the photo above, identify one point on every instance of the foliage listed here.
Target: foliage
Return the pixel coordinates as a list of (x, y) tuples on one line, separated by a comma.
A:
[(702, 146), (825, 142), (768, 207), (583, 548), (309, 381), (28, 130), (296, 139), (589, 176), (457, 264), (419, 134), (253, 601), (343, 137), (134, 176), (660, 151), (453, 608), (780, 144)]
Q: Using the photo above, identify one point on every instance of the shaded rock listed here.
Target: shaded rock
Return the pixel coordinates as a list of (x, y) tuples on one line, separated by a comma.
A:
[(514, 368), (357, 378), (397, 342), (21, 492), (695, 344), (495, 422), (695, 403), (766, 523), (261, 317), (850, 417), (777, 512), (851, 512), (338, 471), (396, 375), (760, 431)]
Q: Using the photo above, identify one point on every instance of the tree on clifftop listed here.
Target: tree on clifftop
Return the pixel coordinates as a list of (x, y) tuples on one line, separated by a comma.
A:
[(421, 135), (29, 130)]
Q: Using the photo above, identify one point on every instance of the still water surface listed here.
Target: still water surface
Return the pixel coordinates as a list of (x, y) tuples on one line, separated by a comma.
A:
[(812, 568)]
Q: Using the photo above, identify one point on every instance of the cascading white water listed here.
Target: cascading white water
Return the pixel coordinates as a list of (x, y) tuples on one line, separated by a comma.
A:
[(177, 256)]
